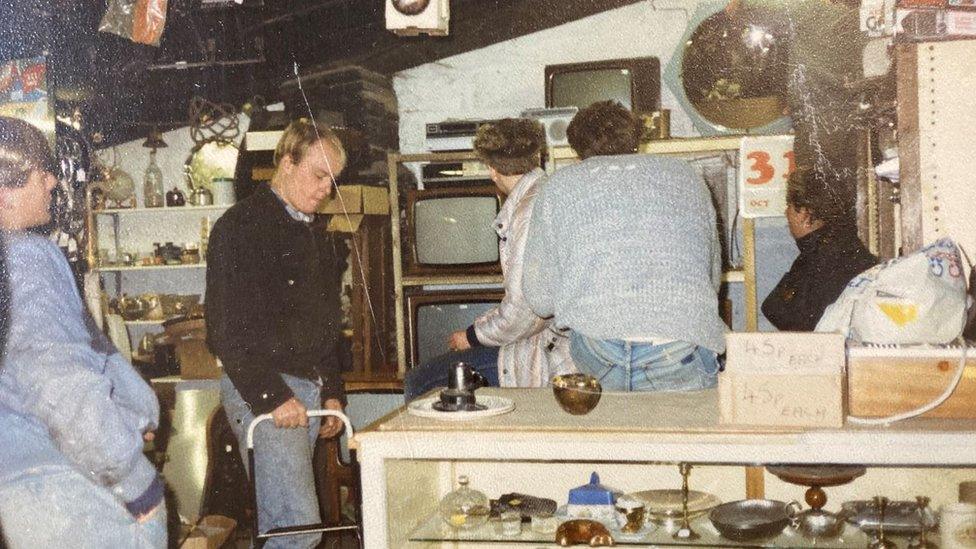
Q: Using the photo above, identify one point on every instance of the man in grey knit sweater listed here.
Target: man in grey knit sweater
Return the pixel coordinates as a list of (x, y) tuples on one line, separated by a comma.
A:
[(623, 250)]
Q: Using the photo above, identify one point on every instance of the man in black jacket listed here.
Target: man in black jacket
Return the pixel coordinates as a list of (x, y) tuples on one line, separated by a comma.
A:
[(272, 320), (831, 254)]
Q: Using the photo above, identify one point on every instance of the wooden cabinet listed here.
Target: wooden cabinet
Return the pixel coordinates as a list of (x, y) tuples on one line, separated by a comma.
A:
[(360, 214), (408, 463), (935, 144)]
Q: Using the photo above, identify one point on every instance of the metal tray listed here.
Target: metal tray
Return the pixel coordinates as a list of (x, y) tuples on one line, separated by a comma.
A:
[(901, 517)]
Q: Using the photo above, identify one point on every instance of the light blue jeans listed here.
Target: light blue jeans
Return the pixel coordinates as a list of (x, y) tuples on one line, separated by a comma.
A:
[(56, 506), (632, 366), (283, 463)]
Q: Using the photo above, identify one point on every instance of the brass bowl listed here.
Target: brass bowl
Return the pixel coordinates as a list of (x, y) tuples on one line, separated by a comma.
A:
[(132, 308), (577, 393)]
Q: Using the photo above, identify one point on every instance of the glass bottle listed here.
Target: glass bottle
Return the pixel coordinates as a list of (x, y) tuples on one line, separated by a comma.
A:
[(152, 186), (464, 508)]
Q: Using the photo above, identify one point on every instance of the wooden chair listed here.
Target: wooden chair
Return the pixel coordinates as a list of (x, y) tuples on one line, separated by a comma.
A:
[(333, 474)]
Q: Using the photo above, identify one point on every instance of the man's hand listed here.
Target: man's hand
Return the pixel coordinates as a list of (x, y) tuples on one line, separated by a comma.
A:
[(290, 414), (458, 341), (331, 425), (149, 436)]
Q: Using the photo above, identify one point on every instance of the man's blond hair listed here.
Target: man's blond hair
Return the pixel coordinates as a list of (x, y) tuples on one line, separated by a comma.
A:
[(302, 134)]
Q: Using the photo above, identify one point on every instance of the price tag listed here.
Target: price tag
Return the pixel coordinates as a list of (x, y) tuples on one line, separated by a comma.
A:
[(783, 378), (765, 163)]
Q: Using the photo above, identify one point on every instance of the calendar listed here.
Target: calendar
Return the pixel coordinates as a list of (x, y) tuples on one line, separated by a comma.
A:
[(765, 164)]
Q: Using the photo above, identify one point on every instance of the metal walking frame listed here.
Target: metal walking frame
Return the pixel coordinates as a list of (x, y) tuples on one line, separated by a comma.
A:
[(258, 538)]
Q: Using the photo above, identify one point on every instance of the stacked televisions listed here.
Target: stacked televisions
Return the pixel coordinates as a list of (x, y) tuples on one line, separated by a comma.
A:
[(448, 239), (449, 247)]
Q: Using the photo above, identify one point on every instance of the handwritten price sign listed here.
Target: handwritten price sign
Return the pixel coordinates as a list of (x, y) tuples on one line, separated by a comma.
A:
[(765, 163)]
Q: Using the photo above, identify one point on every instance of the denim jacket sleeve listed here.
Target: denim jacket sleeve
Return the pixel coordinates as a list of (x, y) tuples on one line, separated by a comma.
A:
[(92, 404)]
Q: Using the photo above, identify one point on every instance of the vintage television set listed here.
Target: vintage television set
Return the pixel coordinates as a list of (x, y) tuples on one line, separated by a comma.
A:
[(449, 231), (634, 82), (433, 315)]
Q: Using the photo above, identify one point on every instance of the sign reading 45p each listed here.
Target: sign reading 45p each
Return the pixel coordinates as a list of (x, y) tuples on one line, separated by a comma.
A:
[(765, 163)]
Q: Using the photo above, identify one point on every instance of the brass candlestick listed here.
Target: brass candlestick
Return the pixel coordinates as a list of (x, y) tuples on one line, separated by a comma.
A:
[(880, 542), (922, 541), (684, 532)]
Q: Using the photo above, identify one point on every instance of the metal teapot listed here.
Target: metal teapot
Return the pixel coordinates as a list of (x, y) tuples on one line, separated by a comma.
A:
[(462, 381), (201, 197)]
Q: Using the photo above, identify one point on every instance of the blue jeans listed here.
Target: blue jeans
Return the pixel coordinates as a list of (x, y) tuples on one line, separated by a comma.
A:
[(633, 366), (56, 506), (285, 481), (423, 378)]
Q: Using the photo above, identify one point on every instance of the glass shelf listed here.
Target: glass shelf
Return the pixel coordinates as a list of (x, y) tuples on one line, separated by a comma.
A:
[(435, 530), (112, 268), (168, 209)]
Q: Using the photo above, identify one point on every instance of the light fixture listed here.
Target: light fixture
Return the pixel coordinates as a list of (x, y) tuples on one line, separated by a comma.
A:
[(415, 17), (154, 140)]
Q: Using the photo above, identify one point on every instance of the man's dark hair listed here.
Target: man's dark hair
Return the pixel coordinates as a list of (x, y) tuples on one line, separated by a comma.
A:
[(604, 128), (818, 194), (23, 149)]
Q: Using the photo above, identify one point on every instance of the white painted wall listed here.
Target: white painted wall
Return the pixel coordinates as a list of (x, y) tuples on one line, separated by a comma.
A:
[(503, 79)]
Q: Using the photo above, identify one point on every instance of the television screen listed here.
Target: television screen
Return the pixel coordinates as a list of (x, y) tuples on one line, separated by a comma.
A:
[(634, 82), (434, 316), (450, 231), (583, 88)]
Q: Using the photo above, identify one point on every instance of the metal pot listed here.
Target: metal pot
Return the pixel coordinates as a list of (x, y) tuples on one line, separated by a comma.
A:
[(201, 197), (820, 524), (751, 519)]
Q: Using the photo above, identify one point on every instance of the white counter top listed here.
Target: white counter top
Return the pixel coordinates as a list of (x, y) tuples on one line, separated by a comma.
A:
[(661, 427)]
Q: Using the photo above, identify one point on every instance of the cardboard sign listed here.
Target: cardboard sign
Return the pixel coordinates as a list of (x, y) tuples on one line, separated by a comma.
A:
[(783, 378), (765, 163)]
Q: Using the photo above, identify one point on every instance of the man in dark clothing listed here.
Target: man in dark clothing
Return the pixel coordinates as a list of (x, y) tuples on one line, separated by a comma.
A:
[(272, 312), (831, 254)]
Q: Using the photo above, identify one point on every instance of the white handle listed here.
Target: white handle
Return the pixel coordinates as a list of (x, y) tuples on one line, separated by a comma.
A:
[(311, 413)]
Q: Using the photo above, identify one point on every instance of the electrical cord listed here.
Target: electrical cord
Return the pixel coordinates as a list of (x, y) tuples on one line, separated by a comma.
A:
[(927, 407)]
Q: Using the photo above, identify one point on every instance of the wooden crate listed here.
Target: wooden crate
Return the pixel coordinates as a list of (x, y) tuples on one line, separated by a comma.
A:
[(884, 384)]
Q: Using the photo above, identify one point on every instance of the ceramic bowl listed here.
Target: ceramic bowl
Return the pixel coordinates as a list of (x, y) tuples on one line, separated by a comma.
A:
[(577, 393)]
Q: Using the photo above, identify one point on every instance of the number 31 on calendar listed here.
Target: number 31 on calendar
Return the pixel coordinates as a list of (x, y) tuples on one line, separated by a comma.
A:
[(765, 163)]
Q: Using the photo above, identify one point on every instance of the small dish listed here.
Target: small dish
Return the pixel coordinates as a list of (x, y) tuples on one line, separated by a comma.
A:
[(665, 506)]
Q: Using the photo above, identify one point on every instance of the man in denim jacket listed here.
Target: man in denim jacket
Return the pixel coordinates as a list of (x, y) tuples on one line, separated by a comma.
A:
[(73, 412)]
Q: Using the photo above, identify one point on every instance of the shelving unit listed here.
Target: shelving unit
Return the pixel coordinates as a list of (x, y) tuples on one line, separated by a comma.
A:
[(135, 230)]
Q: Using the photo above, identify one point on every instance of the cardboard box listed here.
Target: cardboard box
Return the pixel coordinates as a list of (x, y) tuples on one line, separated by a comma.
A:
[(788, 379), (887, 381), (189, 338), (210, 533), (357, 199)]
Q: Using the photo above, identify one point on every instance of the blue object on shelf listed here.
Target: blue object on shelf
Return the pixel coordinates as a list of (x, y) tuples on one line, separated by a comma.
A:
[(593, 493)]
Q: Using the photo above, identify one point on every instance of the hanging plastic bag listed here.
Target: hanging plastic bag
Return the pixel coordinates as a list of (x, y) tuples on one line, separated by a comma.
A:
[(916, 299), (141, 21)]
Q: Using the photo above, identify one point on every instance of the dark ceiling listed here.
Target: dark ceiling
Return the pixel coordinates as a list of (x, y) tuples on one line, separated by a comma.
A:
[(236, 52)]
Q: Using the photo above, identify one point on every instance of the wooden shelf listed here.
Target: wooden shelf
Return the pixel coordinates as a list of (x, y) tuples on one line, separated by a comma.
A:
[(376, 381), (452, 279), (170, 209), (200, 265)]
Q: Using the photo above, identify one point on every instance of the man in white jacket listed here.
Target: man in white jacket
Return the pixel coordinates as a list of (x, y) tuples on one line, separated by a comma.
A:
[(509, 345)]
